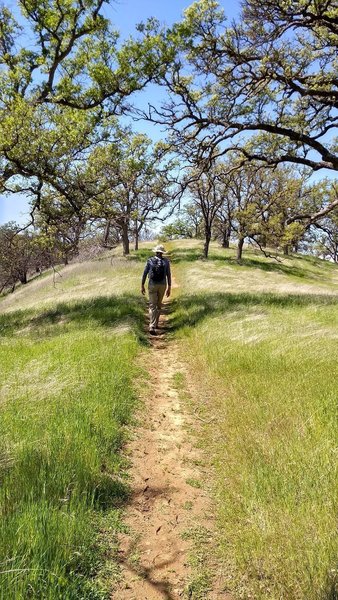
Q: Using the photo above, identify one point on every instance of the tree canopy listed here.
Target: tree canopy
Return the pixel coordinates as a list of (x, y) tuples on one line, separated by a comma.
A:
[(257, 93), (273, 74), (57, 97)]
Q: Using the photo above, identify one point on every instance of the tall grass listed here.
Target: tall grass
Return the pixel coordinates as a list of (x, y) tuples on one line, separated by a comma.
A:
[(265, 367), (67, 395)]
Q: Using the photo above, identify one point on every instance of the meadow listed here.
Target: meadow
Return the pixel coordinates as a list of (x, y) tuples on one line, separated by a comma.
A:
[(260, 344), (68, 370)]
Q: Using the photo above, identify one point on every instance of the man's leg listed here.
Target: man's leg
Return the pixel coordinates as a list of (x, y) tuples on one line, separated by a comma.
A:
[(153, 300), (160, 294), (156, 293)]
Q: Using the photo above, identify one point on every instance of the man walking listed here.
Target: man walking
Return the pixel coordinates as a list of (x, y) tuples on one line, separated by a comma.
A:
[(158, 270)]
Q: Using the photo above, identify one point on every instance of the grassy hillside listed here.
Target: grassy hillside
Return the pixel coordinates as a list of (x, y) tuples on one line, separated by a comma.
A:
[(260, 343), (68, 375)]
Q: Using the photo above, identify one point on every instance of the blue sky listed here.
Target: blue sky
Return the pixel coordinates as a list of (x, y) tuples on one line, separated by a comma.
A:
[(127, 13)]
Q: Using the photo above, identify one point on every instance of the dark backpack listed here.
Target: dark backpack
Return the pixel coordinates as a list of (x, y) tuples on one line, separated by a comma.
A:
[(157, 272)]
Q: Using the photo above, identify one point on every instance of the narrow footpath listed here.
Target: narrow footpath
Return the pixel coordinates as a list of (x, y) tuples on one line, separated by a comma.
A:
[(165, 503)]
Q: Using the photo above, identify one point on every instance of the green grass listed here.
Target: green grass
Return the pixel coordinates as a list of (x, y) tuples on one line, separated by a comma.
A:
[(265, 368), (221, 272), (260, 340), (68, 372), (109, 276), (200, 583)]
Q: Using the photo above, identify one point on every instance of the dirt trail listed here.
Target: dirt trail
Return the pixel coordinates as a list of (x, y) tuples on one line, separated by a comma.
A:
[(153, 554)]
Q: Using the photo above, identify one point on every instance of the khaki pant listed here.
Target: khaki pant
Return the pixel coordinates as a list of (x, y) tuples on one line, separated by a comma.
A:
[(156, 293)]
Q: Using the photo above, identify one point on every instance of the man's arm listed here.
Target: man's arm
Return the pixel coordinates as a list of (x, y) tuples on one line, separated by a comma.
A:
[(168, 279), (144, 277)]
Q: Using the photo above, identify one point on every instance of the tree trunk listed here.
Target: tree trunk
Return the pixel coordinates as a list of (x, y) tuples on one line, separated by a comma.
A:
[(207, 241), (226, 237), (106, 233), (136, 239), (286, 250), (125, 239), (335, 255), (240, 248), (23, 278)]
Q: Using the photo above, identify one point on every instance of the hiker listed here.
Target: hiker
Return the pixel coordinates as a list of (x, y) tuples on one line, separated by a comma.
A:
[(158, 270)]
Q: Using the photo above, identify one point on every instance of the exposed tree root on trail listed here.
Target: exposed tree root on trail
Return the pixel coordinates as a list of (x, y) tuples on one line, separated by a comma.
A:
[(165, 503)]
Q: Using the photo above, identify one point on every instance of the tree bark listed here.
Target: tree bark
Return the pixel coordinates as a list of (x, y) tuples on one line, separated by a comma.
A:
[(226, 237), (106, 233), (125, 239), (286, 250), (207, 241), (136, 239), (240, 248), (23, 278)]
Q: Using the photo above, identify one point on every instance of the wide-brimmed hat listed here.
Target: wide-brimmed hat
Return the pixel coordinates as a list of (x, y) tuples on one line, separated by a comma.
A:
[(160, 249)]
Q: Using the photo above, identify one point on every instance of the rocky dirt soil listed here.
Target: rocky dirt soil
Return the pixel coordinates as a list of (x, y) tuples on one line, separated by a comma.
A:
[(166, 501)]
